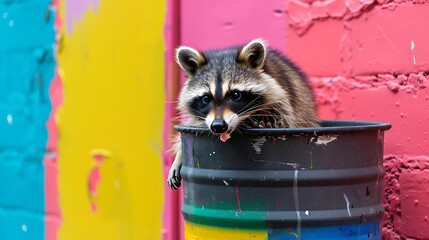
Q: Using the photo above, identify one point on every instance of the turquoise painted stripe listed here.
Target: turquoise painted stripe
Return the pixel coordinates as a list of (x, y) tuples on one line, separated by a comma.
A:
[(27, 66)]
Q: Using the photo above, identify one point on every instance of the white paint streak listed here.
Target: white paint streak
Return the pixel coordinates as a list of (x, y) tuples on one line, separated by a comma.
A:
[(294, 165), (296, 200), (325, 139), (347, 204), (257, 144), (24, 228), (9, 119), (226, 183), (413, 45)]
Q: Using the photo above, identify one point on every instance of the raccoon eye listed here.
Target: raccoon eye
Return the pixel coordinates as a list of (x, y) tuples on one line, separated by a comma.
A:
[(235, 96), (206, 99)]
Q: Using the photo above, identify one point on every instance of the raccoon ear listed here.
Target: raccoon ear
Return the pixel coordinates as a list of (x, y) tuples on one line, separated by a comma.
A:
[(189, 59), (253, 54)]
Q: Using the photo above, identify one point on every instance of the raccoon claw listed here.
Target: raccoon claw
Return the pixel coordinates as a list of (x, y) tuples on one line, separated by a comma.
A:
[(174, 178)]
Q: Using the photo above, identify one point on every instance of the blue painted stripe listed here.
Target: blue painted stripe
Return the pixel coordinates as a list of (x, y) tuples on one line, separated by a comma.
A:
[(369, 230), (27, 67)]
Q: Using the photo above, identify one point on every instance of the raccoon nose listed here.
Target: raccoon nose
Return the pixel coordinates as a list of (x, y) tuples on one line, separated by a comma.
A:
[(219, 126)]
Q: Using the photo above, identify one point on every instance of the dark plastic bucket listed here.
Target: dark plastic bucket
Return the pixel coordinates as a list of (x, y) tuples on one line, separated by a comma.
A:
[(311, 183)]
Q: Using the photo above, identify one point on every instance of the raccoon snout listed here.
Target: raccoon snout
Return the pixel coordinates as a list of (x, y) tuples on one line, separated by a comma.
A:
[(219, 126)]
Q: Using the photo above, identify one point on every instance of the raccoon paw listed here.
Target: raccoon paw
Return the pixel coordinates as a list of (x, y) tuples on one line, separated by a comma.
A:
[(174, 178)]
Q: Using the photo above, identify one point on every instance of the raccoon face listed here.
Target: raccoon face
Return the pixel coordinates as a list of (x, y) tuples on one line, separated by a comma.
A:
[(225, 114), (225, 87)]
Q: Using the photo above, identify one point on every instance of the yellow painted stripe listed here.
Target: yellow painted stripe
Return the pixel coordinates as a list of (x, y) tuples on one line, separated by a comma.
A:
[(110, 124), (200, 232)]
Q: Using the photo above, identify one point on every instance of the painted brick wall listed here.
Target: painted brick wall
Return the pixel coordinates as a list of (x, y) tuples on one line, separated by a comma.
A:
[(77, 169), (110, 60), (27, 67), (369, 60)]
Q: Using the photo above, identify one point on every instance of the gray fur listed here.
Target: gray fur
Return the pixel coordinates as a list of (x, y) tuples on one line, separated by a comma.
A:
[(282, 97)]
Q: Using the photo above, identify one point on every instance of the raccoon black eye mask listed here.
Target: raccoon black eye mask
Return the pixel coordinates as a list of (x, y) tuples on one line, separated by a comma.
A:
[(240, 87)]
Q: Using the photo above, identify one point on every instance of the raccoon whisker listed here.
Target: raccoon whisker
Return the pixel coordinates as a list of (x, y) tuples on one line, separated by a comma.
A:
[(238, 129), (183, 117), (265, 112), (249, 103), (255, 107), (258, 106), (245, 126), (260, 111), (263, 107), (197, 114)]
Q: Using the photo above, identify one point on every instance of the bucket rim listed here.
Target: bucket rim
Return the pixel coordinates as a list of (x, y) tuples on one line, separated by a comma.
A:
[(327, 126)]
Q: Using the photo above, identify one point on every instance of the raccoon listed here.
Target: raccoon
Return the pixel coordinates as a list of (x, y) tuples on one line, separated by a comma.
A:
[(238, 88)]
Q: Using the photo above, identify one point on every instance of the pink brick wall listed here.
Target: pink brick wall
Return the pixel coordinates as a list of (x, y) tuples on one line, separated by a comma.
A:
[(369, 60)]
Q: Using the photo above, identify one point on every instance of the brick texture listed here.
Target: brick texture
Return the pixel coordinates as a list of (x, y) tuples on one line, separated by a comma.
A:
[(369, 60), (26, 70)]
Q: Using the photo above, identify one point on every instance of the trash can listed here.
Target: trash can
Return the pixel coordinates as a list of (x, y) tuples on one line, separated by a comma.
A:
[(311, 183)]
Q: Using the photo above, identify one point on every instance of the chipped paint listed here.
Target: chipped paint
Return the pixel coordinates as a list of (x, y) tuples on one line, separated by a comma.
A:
[(413, 45), (257, 144), (302, 15), (94, 178), (409, 83), (324, 139), (76, 9)]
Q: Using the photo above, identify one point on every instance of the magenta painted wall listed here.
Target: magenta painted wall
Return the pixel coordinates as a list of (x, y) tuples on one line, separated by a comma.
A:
[(172, 221), (214, 24), (367, 60)]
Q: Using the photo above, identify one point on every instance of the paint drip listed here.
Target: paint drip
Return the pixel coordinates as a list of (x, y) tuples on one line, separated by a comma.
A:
[(238, 199)]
